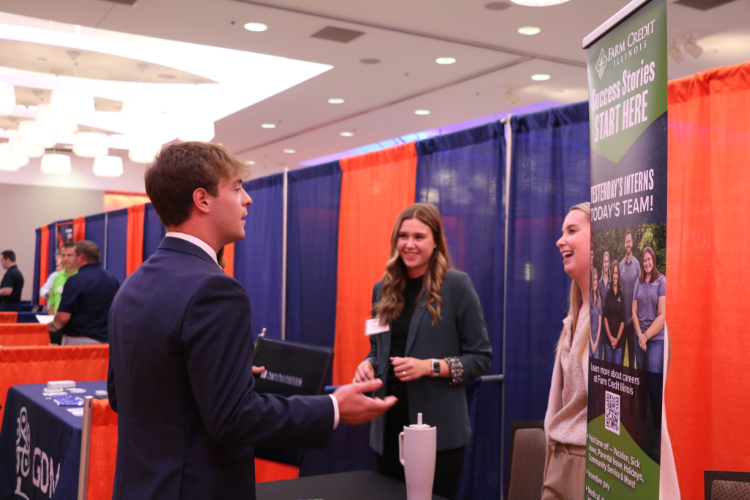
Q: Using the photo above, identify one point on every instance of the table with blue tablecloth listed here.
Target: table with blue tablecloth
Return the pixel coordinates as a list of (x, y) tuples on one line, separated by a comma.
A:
[(40, 444)]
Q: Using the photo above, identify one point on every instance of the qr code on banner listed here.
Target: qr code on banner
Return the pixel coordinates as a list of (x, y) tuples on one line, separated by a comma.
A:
[(612, 412)]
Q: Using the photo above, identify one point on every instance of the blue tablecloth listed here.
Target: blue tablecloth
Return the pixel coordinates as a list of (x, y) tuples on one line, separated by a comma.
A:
[(40, 445)]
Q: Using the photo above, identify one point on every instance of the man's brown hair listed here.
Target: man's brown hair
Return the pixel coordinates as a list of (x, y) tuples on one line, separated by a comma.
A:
[(181, 168), (89, 250)]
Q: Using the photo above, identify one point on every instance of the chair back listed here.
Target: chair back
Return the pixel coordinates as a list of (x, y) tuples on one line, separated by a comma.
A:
[(528, 452), (726, 485)]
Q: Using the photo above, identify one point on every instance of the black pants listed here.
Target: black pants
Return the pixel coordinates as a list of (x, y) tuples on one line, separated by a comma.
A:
[(448, 463), (632, 341)]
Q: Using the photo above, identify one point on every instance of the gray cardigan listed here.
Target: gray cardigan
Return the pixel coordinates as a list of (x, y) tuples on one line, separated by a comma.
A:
[(462, 333)]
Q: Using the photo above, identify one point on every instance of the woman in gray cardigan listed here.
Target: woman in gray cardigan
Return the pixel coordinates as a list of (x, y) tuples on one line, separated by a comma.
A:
[(434, 338)]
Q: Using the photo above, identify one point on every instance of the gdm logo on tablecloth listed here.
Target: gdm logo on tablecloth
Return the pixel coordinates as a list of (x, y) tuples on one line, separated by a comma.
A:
[(44, 477)]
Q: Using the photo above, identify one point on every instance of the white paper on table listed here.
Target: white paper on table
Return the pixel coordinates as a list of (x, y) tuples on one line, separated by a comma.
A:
[(44, 318)]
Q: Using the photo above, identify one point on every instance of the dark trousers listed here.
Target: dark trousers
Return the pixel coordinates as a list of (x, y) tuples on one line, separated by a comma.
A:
[(632, 342)]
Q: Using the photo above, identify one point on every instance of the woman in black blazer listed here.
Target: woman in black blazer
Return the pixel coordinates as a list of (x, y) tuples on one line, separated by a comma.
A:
[(436, 340)]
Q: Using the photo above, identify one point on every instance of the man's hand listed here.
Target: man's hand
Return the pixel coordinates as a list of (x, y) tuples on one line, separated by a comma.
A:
[(355, 408)]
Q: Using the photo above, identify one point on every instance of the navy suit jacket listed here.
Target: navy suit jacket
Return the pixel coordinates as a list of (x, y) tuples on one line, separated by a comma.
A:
[(180, 380)]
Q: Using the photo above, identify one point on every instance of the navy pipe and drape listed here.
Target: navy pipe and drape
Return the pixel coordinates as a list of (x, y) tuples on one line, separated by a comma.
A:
[(463, 174), (312, 253), (153, 231), (117, 243), (37, 254), (549, 174), (257, 257), (96, 230)]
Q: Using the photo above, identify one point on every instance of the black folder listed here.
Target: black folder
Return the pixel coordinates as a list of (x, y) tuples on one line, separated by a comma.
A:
[(292, 369)]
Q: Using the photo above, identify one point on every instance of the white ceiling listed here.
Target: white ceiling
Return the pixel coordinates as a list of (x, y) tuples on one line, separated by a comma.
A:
[(407, 36)]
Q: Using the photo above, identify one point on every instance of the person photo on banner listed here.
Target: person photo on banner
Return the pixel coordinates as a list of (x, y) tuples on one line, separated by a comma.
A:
[(595, 343), (567, 408), (605, 278), (630, 271), (436, 340), (649, 303), (614, 318)]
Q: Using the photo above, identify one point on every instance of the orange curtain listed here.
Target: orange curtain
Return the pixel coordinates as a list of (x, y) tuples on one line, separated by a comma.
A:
[(43, 260), (707, 390), (37, 365), (134, 257), (265, 470), (8, 317), (24, 334), (375, 188), (79, 228), (103, 450), (229, 259)]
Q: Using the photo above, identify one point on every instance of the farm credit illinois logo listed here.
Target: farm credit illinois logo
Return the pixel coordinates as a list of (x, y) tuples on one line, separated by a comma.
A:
[(601, 64), (44, 475)]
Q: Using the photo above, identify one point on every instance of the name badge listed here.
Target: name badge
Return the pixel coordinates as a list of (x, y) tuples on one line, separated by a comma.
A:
[(59, 289), (372, 326)]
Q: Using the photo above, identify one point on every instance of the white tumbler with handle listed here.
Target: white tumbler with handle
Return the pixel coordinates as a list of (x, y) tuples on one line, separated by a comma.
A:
[(417, 447)]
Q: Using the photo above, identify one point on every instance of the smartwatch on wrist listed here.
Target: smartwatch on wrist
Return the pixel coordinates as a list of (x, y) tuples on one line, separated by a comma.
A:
[(435, 368)]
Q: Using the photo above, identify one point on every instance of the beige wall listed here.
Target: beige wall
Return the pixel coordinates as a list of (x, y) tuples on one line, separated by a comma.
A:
[(25, 208)]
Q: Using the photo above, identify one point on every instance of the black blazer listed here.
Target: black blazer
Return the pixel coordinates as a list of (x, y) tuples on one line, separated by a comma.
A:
[(180, 380), (462, 333)]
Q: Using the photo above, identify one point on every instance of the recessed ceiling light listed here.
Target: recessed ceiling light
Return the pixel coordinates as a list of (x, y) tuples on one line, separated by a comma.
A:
[(250, 162), (529, 30), (256, 27), (540, 77), (268, 125), (370, 60), (497, 6), (290, 151), (445, 60), (422, 112), (335, 101), (347, 134), (538, 3)]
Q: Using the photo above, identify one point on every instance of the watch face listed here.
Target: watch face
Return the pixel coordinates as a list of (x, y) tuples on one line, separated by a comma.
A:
[(436, 367)]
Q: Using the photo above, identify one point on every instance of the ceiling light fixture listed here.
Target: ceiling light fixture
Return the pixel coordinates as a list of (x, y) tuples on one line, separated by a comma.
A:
[(72, 104), (143, 150), (9, 158), (538, 3), (195, 130), (529, 30), (250, 162), (335, 101), (50, 122), (289, 151), (512, 98), (56, 164), (9, 167), (347, 134), (255, 27), (445, 60), (20, 148), (268, 125), (693, 48), (7, 99), (108, 166), (675, 53), (30, 133), (422, 112), (90, 144), (540, 77)]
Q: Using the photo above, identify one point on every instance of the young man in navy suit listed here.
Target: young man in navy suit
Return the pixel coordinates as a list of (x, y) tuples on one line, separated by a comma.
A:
[(181, 346)]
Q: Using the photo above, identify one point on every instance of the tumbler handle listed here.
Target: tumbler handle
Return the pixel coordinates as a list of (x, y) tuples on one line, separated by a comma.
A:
[(401, 448)]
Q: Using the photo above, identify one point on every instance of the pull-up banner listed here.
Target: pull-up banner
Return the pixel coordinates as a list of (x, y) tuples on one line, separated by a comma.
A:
[(627, 70)]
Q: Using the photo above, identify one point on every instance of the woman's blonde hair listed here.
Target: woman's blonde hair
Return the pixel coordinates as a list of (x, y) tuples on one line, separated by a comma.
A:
[(394, 280), (576, 299)]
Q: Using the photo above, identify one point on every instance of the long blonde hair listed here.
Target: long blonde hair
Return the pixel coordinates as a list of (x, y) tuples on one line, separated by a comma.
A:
[(576, 299), (394, 280)]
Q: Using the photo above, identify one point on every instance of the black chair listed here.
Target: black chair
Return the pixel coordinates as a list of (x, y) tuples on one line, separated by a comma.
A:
[(528, 452), (726, 485)]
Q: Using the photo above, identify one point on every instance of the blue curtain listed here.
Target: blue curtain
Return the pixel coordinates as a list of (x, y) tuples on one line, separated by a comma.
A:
[(52, 246), (117, 243), (37, 256), (463, 174), (549, 174), (153, 231), (257, 257), (96, 230), (312, 253)]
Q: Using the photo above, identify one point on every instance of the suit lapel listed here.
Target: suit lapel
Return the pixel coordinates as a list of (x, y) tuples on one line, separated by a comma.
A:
[(414, 323)]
